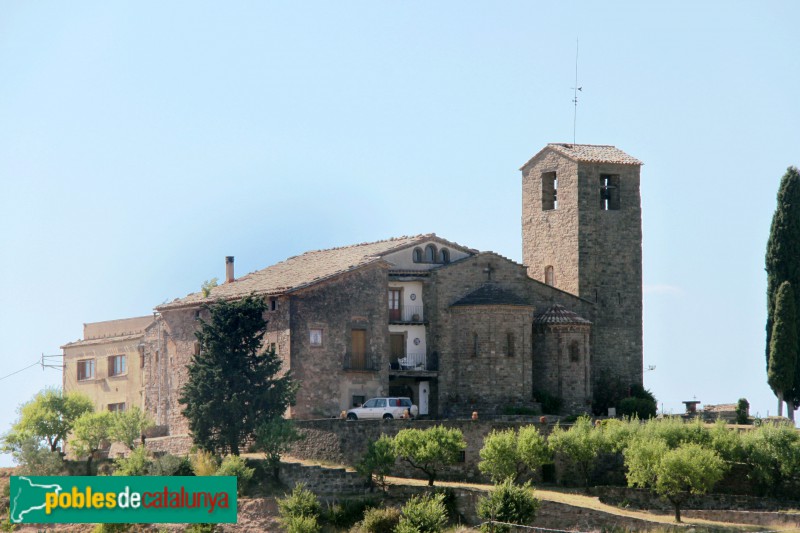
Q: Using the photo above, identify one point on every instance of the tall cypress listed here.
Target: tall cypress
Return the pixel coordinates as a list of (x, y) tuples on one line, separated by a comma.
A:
[(783, 346), (783, 261)]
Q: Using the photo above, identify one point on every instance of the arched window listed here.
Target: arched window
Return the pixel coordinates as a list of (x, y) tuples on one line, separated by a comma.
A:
[(510, 344), (574, 352), (474, 345), (444, 253), (418, 255), (430, 254), (549, 276)]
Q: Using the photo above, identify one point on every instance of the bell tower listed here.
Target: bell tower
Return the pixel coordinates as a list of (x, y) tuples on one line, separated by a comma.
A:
[(582, 233)]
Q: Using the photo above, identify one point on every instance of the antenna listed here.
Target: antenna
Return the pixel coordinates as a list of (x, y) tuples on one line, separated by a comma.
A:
[(575, 90)]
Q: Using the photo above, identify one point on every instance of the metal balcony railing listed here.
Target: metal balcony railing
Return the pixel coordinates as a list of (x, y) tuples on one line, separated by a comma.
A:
[(406, 314), (415, 362), (364, 362)]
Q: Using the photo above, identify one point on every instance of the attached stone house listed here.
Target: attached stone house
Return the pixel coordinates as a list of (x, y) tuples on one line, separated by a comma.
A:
[(455, 328)]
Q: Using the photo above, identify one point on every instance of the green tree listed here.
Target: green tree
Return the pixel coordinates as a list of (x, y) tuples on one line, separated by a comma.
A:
[(581, 444), (688, 469), (424, 513), (234, 385), (128, 426), (508, 503), (275, 437), (48, 417), (507, 454), (783, 259), (783, 347), (378, 461), (430, 450), (743, 411), (89, 434)]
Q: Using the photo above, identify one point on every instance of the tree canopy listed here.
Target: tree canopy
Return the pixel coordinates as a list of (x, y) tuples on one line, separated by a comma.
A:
[(783, 345), (234, 384), (431, 449)]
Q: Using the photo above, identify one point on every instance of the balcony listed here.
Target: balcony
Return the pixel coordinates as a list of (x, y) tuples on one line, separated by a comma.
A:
[(408, 314), (363, 363), (415, 362)]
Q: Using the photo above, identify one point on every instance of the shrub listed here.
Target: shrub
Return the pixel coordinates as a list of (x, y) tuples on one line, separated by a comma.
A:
[(508, 503), (234, 465), (136, 464), (378, 461), (202, 528), (36, 460), (743, 411), (347, 512), (379, 520), (424, 514), (301, 524), (204, 463), (170, 465), (111, 528), (301, 502)]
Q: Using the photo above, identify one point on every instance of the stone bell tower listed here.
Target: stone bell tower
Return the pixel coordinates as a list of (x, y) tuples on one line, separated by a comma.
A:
[(582, 233)]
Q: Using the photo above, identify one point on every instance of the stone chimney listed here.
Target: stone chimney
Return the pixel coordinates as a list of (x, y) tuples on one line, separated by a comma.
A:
[(229, 269)]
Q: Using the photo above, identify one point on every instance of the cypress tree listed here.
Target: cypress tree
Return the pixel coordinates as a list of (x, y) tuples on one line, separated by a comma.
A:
[(783, 261), (783, 347)]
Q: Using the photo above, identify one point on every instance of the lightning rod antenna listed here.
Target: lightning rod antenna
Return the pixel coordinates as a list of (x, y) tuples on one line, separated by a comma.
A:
[(575, 90)]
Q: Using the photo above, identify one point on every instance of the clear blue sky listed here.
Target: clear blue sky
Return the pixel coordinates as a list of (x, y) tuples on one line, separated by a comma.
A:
[(142, 142)]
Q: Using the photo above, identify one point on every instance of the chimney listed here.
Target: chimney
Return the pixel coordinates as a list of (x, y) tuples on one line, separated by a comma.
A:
[(229, 269)]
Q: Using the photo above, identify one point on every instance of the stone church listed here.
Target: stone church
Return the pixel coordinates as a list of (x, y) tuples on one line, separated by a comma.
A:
[(455, 328)]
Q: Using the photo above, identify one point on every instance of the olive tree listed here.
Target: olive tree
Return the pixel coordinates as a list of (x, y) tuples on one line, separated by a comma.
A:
[(508, 454), (430, 450)]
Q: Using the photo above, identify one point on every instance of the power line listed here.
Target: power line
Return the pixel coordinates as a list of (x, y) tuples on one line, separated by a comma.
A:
[(37, 363)]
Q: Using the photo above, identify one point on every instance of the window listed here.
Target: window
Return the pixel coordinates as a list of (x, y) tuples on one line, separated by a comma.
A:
[(418, 255), (86, 369), (609, 192), (395, 311), (316, 337), (358, 400), (549, 276), (549, 191), (430, 254), (196, 348), (462, 456), (380, 402), (197, 315), (510, 344), (574, 352), (444, 255), (474, 345), (273, 348), (116, 407), (273, 304), (117, 365)]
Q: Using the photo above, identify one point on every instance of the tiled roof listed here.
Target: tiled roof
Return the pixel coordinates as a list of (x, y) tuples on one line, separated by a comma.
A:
[(590, 153), (104, 340), (491, 294), (301, 270), (721, 408), (559, 314)]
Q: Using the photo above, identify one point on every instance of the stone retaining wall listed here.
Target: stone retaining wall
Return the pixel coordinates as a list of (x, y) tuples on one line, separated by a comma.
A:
[(644, 499), (322, 480)]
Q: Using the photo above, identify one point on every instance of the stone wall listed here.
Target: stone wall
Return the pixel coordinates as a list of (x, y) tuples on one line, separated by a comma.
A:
[(328, 374), (322, 480), (561, 364)]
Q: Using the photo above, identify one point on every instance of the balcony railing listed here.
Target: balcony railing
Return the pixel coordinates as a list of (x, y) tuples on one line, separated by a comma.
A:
[(364, 362), (406, 314), (415, 362)]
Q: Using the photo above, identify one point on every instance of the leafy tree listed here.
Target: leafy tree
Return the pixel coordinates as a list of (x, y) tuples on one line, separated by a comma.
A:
[(34, 458), (128, 426), (429, 450), (275, 437), (378, 461), (581, 444), (90, 432), (234, 385), (783, 258), (508, 503), (772, 453), (689, 469), (642, 459), (507, 454), (425, 513), (48, 417), (743, 411), (783, 347)]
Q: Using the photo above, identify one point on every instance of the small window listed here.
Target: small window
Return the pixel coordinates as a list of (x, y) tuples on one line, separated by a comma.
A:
[(574, 352), (380, 402), (445, 255), (430, 254), (372, 403), (116, 407), (549, 191), (549, 276), (316, 337), (418, 255), (474, 345), (197, 315), (609, 192), (510, 344), (462, 456), (273, 348), (86, 369), (196, 348), (273, 304), (358, 400), (117, 365)]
